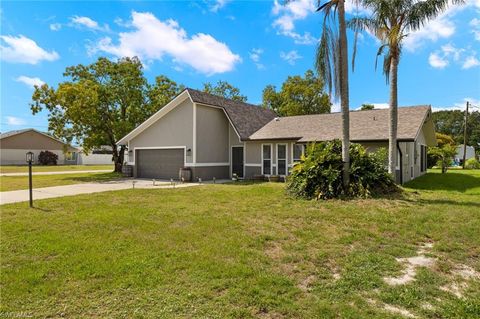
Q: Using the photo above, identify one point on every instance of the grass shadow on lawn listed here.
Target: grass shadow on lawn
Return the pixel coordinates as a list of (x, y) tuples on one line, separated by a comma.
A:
[(456, 181)]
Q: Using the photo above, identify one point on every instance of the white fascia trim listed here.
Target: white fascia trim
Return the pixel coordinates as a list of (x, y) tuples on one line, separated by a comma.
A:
[(206, 164), (155, 117), (194, 142)]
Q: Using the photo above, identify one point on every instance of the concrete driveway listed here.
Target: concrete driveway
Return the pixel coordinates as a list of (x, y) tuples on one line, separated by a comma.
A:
[(87, 188)]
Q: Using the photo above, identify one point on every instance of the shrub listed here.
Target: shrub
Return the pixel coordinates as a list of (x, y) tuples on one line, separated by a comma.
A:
[(472, 163), (47, 158), (319, 173)]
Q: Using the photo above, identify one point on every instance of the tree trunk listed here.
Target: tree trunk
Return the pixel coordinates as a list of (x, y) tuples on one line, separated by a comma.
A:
[(118, 156), (392, 141), (344, 94)]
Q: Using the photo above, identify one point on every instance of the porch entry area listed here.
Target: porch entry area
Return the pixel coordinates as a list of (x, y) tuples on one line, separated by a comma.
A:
[(237, 161)]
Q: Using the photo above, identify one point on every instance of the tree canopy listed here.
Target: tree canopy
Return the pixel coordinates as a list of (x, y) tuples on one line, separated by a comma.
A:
[(452, 123), (224, 89), (298, 96), (367, 107), (101, 102)]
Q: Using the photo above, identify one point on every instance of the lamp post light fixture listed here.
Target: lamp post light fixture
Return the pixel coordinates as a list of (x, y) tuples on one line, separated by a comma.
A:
[(30, 158)]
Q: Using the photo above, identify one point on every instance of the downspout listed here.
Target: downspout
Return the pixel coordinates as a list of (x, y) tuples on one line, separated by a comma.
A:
[(401, 162)]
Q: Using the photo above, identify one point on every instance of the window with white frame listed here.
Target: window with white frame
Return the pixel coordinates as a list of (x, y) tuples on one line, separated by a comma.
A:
[(298, 150), (281, 159), (267, 159)]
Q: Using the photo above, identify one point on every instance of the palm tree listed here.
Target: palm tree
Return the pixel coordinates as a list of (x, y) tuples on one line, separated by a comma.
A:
[(332, 66), (391, 21)]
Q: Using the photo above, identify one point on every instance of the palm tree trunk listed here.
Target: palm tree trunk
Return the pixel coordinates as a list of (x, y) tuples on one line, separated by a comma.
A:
[(392, 142), (344, 94)]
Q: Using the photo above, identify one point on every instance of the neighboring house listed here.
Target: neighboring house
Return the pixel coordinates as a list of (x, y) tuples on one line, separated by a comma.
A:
[(470, 153), (217, 137), (15, 144)]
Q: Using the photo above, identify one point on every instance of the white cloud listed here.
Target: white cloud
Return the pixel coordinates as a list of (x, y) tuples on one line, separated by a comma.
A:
[(24, 50), (475, 24), (31, 82), (354, 8), (12, 120), (288, 14), (470, 62), (152, 39), (218, 4), (436, 61), (86, 22), (255, 55), (442, 27), (55, 26), (461, 105), (464, 56), (291, 57)]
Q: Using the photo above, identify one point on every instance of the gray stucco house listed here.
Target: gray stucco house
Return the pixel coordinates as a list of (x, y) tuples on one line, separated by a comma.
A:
[(217, 137)]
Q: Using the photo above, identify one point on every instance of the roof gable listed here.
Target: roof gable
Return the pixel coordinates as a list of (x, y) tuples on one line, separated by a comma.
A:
[(246, 118)]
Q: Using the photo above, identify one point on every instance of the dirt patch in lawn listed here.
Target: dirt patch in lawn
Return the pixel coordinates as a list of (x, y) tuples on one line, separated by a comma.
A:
[(411, 264)]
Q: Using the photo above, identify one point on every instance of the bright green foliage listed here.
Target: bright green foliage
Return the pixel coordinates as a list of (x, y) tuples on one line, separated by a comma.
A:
[(367, 107), (472, 163), (319, 173), (452, 123), (298, 96), (224, 89), (442, 154), (101, 102)]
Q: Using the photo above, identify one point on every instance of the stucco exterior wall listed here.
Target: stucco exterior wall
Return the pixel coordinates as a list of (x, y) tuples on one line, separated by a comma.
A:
[(174, 129), (212, 132)]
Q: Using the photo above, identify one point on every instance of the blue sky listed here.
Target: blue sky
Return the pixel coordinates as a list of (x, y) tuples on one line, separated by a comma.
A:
[(247, 43)]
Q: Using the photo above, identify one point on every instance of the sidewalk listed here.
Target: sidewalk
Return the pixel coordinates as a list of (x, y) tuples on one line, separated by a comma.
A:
[(58, 173), (86, 188)]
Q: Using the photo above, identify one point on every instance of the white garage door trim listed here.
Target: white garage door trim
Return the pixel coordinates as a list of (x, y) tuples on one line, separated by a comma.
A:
[(162, 148)]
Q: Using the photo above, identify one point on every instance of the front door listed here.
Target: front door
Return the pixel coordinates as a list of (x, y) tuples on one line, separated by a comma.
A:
[(237, 161)]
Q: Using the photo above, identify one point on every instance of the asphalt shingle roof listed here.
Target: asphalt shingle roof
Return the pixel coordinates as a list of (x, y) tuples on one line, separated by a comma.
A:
[(247, 118), (371, 125)]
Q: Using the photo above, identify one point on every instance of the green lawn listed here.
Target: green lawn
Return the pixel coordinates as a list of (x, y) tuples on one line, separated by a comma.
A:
[(53, 168), (242, 251), (10, 183)]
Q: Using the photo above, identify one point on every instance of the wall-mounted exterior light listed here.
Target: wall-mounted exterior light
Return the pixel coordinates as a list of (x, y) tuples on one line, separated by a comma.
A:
[(189, 152)]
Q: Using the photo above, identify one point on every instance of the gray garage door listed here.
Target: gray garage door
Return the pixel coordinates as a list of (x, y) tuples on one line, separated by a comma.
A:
[(161, 164)]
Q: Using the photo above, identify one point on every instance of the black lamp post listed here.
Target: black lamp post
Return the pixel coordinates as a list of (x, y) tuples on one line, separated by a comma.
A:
[(30, 158)]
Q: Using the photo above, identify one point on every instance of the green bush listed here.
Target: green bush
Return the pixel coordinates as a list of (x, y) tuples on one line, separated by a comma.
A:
[(319, 173), (472, 163)]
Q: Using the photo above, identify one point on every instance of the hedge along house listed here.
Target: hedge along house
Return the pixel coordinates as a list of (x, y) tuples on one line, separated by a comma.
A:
[(15, 144), (217, 137)]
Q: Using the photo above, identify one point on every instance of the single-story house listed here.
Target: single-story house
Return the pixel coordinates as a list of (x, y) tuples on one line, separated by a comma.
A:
[(218, 137), (15, 144), (470, 153)]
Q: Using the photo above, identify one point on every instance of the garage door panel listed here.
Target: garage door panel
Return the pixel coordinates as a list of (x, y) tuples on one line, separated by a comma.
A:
[(159, 163)]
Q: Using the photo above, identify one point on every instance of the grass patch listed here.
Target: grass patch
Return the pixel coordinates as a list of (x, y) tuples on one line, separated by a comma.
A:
[(53, 168), (10, 183), (238, 251)]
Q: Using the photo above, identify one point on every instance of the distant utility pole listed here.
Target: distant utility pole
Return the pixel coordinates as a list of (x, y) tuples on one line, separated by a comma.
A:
[(465, 137)]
